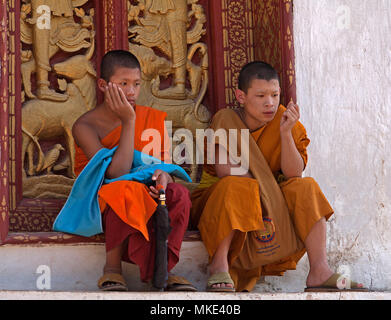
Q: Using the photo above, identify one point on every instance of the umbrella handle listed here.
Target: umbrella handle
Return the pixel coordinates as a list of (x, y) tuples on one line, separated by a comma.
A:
[(160, 275), (162, 194)]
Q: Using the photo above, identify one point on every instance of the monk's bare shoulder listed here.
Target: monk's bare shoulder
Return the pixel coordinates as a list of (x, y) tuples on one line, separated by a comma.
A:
[(86, 129), (85, 122)]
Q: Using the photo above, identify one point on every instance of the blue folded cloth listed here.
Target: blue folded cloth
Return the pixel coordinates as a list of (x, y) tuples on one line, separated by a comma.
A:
[(81, 213)]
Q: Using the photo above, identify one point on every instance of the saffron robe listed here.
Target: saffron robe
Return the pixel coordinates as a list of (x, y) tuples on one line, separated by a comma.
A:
[(123, 203), (233, 203)]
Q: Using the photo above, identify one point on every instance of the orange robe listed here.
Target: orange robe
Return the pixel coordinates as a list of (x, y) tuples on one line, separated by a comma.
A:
[(136, 205), (127, 207), (232, 203)]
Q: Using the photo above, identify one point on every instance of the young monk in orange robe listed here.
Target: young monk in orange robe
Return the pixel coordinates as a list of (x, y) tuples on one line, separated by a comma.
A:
[(127, 206), (226, 207)]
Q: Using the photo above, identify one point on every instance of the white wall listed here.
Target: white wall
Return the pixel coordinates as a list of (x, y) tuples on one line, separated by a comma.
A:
[(343, 86)]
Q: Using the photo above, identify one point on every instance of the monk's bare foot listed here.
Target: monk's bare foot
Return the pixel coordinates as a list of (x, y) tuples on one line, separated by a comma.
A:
[(320, 274), (111, 269), (217, 266), (317, 276)]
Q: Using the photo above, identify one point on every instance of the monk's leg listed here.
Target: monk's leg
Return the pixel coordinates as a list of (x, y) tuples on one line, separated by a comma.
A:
[(113, 260), (309, 210), (126, 243), (315, 244), (115, 236), (220, 260), (232, 204), (178, 205)]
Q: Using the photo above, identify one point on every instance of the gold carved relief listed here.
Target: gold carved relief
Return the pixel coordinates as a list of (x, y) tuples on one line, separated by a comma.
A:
[(49, 27), (165, 36)]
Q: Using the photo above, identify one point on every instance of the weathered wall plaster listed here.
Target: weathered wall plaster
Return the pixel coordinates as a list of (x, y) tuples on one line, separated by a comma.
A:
[(343, 65)]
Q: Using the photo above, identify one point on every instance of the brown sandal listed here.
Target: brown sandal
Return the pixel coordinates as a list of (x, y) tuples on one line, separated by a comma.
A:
[(221, 277), (177, 283), (337, 283), (112, 282)]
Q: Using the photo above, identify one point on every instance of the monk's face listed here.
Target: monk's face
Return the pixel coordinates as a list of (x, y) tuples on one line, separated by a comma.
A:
[(260, 103), (129, 80)]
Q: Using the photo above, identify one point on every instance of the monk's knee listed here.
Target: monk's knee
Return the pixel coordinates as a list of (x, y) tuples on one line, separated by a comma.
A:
[(231, 187), (309, 182), (178, 197), (229, 182), (306, 182), (177, 192)]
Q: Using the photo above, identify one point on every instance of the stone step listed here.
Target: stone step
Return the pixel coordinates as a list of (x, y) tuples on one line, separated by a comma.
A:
[(99, 295), (75, 264)]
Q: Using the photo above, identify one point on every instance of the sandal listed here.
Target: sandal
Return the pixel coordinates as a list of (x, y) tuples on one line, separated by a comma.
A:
[(177, 283), (337, 283), (112, 282), (218, 278)]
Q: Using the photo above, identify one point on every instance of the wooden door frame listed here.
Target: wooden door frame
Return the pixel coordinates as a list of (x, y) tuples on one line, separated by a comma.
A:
[(113, 31)]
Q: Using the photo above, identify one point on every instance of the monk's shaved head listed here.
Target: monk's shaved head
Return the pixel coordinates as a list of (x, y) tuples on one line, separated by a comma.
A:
[(117, 59), (256, 70)]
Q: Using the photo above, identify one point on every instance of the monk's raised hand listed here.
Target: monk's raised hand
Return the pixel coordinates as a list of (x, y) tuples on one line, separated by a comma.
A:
[(289, 117), (118, 103)]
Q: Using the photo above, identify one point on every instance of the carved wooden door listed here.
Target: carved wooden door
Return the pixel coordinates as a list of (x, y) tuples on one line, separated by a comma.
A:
[(50, 50)]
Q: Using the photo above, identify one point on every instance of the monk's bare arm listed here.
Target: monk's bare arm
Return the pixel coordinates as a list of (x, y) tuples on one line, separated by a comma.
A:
[(292, 164), (225, 169), (123, 157), (86, 138)]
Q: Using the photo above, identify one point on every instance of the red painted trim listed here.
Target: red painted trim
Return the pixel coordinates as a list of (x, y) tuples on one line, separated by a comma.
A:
[(29, 238), (4, 130), (112, 23), (18, 106), (99, 42), (216, 52), (20, 238), (116, 24), (288, 53), (123, 35)]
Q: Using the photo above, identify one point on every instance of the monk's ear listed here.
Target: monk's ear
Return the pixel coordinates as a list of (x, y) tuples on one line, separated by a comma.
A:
[(102, 84), (240, 96)]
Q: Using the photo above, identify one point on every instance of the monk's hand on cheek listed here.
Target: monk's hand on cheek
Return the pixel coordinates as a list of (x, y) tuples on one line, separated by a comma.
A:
[(290, 117), (160, 178), (118, 104)]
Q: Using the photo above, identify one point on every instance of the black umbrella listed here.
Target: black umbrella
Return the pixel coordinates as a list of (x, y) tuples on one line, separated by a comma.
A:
[(162, 230)]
